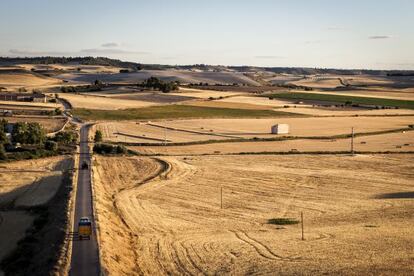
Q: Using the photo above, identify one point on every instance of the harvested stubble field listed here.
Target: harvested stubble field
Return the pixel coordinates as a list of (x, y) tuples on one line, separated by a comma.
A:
[(205, 94), (196, 130), (28, 105), (392, 142), (14, 79), (173, 224), (309, 127), (377, 92), (132, 132), (308, 109), (25, 184), (335, 98), (100, 102)]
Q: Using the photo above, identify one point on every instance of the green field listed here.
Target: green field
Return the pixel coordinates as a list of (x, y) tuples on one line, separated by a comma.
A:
[(176, 112), (380, 102)]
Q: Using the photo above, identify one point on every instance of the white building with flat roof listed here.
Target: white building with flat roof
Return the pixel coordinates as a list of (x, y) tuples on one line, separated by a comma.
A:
[(280, 129)]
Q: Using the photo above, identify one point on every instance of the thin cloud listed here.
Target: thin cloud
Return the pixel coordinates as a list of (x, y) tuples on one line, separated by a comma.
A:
[(110, 45), (91, 51), (269, 57), (101, 51), (334, 28), (313, 41), (379, 37), (37, 53)]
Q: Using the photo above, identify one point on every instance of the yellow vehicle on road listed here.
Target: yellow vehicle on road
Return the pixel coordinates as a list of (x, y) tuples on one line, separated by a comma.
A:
[(84, 228)]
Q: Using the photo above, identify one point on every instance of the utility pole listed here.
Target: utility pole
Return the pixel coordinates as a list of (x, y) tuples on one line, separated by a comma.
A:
[(221, 197), (352, 141), (165, 135), (301, 219)]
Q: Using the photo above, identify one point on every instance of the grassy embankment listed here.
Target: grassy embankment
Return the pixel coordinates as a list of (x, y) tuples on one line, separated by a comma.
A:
[(380, 102), (176, 112)]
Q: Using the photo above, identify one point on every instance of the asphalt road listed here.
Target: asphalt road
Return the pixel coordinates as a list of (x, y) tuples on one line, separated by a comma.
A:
[(85, 259)]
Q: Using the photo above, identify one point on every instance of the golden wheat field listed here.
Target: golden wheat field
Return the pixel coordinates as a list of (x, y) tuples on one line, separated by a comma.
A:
[(392, 142), (26, 184), (192, 130), (168, 219), (100, 102)]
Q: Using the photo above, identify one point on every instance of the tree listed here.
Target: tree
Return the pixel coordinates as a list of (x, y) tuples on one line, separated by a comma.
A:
[(66, 137), (98, 136), (3, 155), (19, 133), (3, 137), (28, 133), (51, 145), (36, 134)]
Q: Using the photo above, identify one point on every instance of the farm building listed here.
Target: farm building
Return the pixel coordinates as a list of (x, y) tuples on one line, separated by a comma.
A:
[(280, 129), (23, 97)]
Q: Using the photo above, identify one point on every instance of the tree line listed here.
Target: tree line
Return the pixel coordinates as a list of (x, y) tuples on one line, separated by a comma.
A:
[(155, 83), (31, 137)]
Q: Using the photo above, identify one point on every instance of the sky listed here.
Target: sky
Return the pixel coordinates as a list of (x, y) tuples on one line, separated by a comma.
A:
[(363, 34)]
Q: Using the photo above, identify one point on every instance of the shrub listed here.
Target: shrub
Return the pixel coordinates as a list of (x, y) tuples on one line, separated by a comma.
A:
[(121, 149), (51, 145), (282, 221), (3, 155), (98, 136), (66, 137), (102, 148), (58, 111), (28, 133)]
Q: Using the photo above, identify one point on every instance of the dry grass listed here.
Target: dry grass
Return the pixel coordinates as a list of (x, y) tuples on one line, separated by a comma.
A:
[(117, 242), (98, 102), (133, 132), (205, 94), (25, 184), (223, 104), (193, 130), (308, 109), (30, 182), (33, 105), (49, 124), (15, 80), (298, 126), (174, 224), (393, 142)]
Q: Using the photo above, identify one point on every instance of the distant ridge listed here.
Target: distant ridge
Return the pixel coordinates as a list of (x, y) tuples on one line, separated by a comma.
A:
[(104, 61)]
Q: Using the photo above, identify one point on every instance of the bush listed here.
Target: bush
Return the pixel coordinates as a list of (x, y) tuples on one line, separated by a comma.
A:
[(51, 145), (28, 133), (58, 111), (3, 155), (283, 221), (66, 137), (98, 136), (102, 148), (121, 149)]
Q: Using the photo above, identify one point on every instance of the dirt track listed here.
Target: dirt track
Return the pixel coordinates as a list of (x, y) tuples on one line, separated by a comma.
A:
[(173, 224)]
